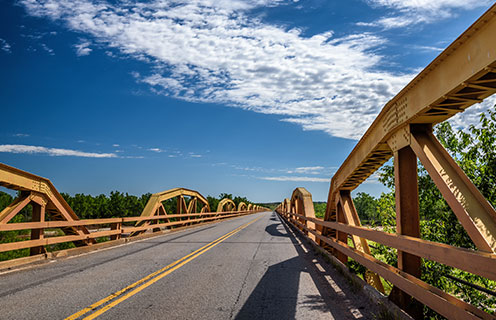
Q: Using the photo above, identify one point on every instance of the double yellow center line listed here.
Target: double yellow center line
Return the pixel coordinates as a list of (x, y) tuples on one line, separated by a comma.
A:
[(129, 291)]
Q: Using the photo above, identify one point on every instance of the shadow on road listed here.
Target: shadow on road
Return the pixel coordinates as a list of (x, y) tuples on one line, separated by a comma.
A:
[(274, 231), (276, 294)]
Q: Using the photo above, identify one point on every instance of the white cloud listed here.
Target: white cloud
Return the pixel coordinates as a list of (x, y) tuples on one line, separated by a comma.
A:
[(158, 150), (211, 51), (5, 46), (308, 170), (296, 179), (428, 48), (82, 48), (47, 49), (315, 170), (17, 148), (411, 12), (21, 135)]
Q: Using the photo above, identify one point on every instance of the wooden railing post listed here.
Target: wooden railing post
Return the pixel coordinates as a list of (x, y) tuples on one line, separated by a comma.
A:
[(341, 236), (37, 234), (115, 226), (407, 223)]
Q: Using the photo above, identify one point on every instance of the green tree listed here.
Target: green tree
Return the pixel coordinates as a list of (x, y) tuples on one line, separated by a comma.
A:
[(366, 207), (213, 203)]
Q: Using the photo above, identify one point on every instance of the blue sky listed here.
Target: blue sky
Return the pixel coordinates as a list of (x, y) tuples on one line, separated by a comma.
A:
[(253, 97)]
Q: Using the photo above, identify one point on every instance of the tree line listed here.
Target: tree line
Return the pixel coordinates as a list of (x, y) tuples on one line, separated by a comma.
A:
[(116, 204)]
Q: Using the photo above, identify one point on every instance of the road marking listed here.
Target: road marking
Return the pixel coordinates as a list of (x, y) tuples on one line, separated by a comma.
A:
[(151, 278)]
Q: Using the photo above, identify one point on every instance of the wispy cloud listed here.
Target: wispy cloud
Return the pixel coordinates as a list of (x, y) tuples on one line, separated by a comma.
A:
[(296, 179), (21, 135), (195, 155), (5, 46), (411, 12), (47, 49), (82, 48), (314, 170), (307, 170), (158, 150), (213, 51), (18, 148), (427, 48)]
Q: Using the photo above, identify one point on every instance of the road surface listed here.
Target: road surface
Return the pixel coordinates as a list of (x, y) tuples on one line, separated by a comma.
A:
[(252, 267)]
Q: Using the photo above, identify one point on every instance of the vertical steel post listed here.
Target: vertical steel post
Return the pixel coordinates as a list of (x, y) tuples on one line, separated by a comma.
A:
[(407, 223), (37, 234), (341, 236)]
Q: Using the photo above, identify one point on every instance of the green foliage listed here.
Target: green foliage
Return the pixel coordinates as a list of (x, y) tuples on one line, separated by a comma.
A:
[(213, 203), (116, 205), (237, 200), (13, 236), (5, 199), (225, 195), (366, 207), (320, 209)]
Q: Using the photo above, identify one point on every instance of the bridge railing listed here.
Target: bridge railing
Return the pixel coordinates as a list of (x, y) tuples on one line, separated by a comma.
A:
[(51, 211), (113, 228), (478, 263), (462, 75)]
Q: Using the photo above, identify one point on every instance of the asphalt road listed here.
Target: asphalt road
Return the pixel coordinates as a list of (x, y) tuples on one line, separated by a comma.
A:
[(261, 271)]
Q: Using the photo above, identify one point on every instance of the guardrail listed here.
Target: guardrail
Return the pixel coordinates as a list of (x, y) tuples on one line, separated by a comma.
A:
[(117, 226), (462, 75)]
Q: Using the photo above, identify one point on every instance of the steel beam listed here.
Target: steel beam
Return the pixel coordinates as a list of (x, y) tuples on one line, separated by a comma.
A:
[(407, 223), (473, 211)]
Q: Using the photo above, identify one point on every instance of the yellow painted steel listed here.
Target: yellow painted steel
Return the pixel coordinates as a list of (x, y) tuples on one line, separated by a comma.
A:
[(226, 205), (153, 205), (37, 190), (242, 206)]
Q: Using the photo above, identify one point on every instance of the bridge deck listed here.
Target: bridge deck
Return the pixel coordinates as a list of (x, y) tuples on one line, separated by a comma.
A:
[(259, 272)]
